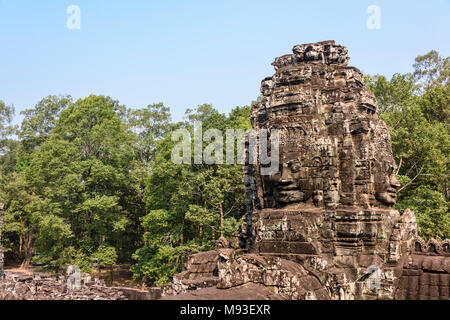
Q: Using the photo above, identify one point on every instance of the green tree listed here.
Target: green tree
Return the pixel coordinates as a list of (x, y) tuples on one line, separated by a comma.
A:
[(149, 124), (416, 109), (83, 171), (190, 206), (39, 121), (431, 70)]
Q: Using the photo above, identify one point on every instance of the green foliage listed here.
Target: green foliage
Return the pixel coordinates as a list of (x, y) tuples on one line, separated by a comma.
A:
[(431, 70), (76, 185), (431, 208), (53, 243), (416, 108), (149, 125), (157, 267), (394, 95), (6, 116), (190, 206), (80, 259), (82, 169), (8, 147), (106, 255), (91, 180), (39, 122)]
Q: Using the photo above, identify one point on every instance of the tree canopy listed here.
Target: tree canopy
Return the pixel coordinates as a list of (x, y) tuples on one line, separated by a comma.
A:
[(416, 108), (92, 180)]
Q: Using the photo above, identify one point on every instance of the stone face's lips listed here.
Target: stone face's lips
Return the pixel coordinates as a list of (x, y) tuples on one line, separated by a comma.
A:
[(287, 188), (292, 195)]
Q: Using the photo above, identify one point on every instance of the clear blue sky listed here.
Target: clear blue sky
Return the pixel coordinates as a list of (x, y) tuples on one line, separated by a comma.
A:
[(185, 53)]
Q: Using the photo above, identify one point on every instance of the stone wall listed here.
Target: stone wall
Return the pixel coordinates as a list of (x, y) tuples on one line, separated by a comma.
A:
[(426, 272), (425, 277)]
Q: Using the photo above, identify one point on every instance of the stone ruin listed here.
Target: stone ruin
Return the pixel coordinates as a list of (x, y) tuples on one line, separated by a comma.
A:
[(45, 286), (324, 226)]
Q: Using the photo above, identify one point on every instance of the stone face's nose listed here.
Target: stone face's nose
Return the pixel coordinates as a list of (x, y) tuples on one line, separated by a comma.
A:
[(394, 181), (286, 175)]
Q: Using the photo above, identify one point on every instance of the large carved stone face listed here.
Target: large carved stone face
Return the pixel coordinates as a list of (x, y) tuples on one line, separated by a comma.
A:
[(300, 171), (286, 184)]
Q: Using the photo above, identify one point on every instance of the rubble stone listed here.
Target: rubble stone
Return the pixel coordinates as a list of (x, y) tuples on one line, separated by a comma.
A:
[(41, 286)]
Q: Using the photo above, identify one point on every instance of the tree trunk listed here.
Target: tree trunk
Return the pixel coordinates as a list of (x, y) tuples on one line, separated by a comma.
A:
[(446, 189), (28, 252), (221, 220), (20, 245), (111, 273), (182, 232)]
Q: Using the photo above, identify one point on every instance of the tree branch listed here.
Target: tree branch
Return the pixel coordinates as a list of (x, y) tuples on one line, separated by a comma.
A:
[(399, 166), (417, 175)]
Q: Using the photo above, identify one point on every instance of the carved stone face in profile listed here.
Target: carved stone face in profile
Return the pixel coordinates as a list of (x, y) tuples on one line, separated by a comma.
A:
[(386, 190)]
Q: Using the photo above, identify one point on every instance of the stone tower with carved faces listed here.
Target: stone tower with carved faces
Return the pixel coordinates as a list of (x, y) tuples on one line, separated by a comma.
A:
[(323, 225), (330, 203)]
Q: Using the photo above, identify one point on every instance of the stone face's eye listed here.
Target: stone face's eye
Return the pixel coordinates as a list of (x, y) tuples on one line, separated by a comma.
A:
[(295, 167)]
